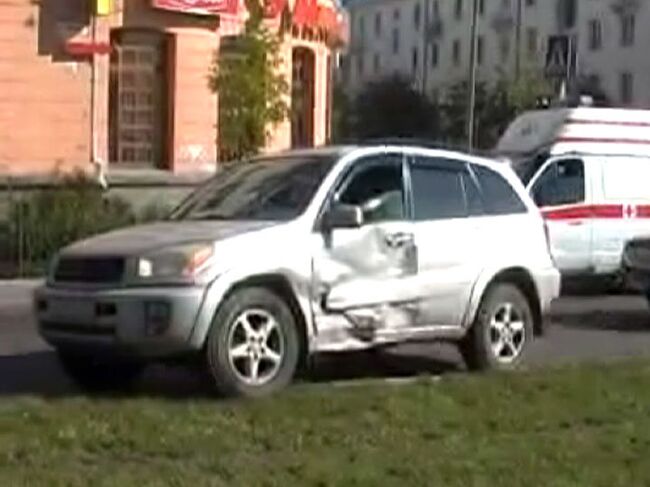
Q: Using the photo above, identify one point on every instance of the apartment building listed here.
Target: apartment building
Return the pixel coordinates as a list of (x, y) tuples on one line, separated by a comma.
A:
[(428, 41)]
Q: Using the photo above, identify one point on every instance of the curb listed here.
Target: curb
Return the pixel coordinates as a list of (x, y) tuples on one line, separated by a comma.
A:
[(388, 381), (20, 282)]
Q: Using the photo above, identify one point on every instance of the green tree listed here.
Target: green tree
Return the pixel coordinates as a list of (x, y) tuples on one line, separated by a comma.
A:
[(252, 91), (392, 108), (341, 114), (496, 106), (492, 111), (524, 93)]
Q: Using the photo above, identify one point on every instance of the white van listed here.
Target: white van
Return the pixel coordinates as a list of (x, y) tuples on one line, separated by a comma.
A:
[(588, 169)]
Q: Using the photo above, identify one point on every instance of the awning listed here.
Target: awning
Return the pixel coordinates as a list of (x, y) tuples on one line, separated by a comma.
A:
[(327, 19), (308, 13), (197, 7), (305, 13)]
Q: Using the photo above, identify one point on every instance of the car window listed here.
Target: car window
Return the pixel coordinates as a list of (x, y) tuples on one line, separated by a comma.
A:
[(377, 188), (274, 188), (438, 190), (561, 183), (472, 195), (499, 198)]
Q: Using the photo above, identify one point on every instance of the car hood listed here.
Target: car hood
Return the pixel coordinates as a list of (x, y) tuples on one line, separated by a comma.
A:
[(143, 238)]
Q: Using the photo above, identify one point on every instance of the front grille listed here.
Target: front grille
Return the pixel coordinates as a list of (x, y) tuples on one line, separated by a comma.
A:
[(94, 270)]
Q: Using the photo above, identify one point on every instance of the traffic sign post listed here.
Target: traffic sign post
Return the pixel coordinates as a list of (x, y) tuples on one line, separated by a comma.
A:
[(558, 57), (561, 61)]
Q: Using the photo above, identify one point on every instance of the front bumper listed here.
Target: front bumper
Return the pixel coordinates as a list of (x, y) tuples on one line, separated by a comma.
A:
[(143, 322)]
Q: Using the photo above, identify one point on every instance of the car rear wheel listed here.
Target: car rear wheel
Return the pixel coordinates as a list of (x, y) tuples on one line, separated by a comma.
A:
[(502, 330), (95, 374), (253, 346)]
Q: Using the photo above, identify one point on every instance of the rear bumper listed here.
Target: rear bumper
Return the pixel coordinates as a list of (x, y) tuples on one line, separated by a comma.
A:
[(548, 282), (142, 322)]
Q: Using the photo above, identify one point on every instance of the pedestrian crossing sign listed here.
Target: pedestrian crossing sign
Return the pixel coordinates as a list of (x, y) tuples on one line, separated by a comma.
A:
[(558, 56)]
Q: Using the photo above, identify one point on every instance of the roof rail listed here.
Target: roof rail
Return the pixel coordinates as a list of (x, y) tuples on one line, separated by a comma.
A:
[(414, 141)]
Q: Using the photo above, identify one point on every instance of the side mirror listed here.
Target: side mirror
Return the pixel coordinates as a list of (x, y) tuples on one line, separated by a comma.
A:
[(343, 216)]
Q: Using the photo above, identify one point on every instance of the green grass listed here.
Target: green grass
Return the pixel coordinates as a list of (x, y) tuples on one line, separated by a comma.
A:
[(572, 426)]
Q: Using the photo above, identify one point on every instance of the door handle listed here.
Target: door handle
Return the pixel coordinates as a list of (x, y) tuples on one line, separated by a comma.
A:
[(576, 223), (399, 239)]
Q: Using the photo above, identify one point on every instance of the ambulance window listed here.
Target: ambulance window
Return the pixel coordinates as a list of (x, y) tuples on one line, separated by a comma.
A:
[(561, 183)]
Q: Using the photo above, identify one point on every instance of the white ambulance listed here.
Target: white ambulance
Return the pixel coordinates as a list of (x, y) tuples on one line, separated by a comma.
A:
[(588, 169)]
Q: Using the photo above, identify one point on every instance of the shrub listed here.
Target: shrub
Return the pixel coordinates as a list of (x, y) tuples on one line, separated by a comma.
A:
[(49, 219), (153, 212)]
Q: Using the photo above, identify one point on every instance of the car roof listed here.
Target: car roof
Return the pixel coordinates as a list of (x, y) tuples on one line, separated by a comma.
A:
[(397, 144), (334, 151)]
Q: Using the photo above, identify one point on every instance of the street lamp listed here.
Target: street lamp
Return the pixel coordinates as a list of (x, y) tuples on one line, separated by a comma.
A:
[(518, 41), (471, 103)]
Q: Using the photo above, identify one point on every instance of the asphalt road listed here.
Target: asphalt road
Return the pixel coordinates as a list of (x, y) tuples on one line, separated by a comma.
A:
[(590, 327)]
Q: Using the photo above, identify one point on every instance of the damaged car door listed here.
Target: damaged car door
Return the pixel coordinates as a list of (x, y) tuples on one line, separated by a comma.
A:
[(446, 207), (365, 263)]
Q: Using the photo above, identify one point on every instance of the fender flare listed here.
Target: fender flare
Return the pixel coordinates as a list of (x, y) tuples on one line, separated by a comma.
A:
[(218, 290), (481, 285)]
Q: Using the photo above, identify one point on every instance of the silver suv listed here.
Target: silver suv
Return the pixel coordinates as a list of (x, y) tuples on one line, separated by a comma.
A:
[(280, 258)]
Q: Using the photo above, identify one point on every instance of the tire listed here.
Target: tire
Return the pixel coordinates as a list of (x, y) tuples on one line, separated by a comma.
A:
[(253, 330), (480, 348), (95, 375)]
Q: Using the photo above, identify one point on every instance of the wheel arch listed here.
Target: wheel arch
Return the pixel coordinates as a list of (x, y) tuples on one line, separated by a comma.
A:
[(280, 285), (519, 277)]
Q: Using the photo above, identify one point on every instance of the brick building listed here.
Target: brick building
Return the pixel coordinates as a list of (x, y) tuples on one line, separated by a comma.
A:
[(125, 81)]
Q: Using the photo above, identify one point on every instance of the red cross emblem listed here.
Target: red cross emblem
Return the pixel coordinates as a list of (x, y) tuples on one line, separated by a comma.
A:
[(629, 211)]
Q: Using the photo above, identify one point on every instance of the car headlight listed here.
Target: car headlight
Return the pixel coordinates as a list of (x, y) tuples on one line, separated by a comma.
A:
[(178, 263)]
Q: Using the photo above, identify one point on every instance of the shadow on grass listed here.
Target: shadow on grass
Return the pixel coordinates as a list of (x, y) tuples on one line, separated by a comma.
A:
[(39, 374)]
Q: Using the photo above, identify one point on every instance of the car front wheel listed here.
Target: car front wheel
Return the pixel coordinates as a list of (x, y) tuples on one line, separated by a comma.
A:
[(502, 330), (253, 346)]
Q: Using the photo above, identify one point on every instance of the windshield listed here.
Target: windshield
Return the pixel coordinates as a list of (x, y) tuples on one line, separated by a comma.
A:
[(275, 188)]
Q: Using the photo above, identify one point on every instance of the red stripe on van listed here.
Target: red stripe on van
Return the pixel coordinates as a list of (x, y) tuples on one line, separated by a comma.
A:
[(603, 140), (643, 211), (583, 212), (615, 123)]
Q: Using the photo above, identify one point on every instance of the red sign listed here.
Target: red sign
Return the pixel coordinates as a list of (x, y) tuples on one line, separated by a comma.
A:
[(87, 48), (305, 13), (200, 7)]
